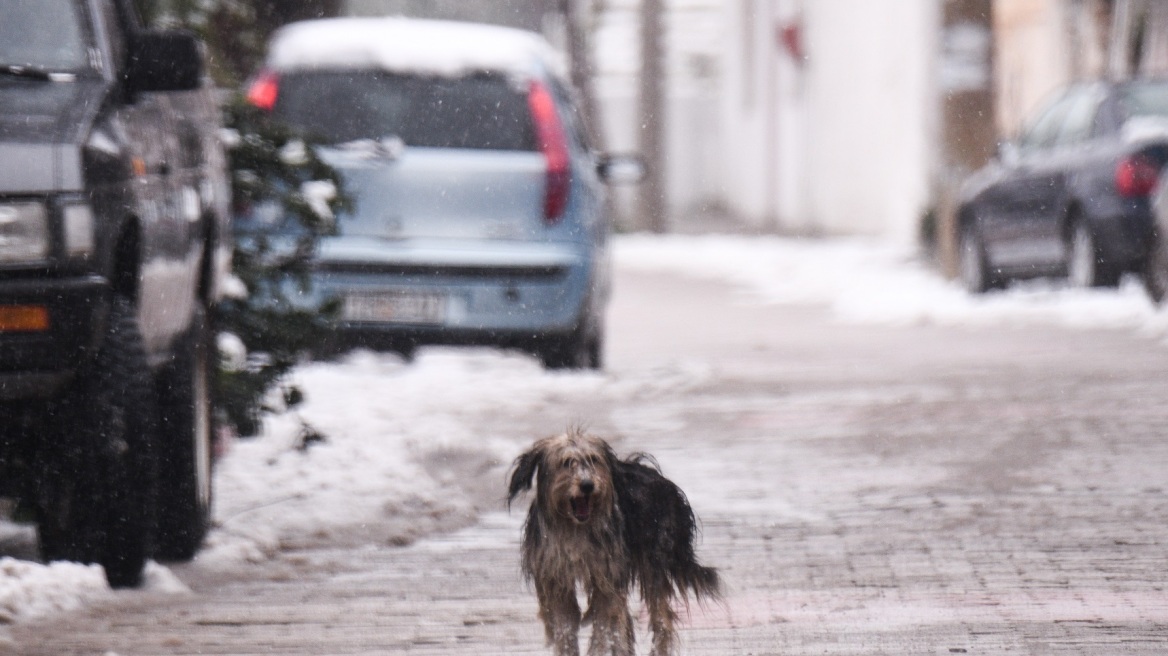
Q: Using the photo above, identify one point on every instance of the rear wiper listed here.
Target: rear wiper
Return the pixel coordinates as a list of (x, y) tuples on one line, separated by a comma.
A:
[(34, 73)]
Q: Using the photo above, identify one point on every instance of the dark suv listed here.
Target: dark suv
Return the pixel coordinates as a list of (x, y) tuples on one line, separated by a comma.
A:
[(113, 203)]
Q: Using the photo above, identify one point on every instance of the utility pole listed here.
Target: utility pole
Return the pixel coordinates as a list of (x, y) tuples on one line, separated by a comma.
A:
[(577, 19), (968, 129), (1119, 51), (652, 114)]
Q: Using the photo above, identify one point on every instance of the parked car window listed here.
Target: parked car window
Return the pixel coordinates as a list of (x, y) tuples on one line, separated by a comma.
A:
[(1146, 100), (1045, 130), (1080, 119), (483, 111), (46, 34)]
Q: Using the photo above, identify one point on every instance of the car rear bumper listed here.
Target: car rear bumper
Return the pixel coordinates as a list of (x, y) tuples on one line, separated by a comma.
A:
[(1124, 238), (497, 293), (1122, 226), (36, 363)]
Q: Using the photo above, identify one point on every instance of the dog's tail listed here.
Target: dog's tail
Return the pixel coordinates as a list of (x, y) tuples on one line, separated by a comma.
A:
[(701, 581)]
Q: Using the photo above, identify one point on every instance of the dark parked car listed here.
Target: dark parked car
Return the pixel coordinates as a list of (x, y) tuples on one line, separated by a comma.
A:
[(479, 206), (113, 212), (1072, 196)]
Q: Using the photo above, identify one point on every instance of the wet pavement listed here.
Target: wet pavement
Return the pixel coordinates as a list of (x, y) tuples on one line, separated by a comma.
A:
[(864, 490)]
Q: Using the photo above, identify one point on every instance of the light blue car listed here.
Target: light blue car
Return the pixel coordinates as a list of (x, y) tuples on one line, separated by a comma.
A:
[(480, 212)]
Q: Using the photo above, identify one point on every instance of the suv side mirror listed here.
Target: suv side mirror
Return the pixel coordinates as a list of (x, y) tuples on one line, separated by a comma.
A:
[(164, 60)]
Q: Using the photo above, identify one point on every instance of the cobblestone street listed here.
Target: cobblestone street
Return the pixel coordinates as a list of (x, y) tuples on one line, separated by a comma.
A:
[(864, 490)]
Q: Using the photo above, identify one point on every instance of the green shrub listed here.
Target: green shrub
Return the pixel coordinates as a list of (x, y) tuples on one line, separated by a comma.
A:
[(272, 164)]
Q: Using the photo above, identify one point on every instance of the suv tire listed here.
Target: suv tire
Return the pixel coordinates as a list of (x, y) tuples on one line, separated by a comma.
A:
[(1085, 269), (972, 265), (1156, 270), (184, 446), (96, 499)]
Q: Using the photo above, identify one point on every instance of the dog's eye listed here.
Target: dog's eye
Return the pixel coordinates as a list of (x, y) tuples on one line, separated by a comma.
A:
[(570, 463)]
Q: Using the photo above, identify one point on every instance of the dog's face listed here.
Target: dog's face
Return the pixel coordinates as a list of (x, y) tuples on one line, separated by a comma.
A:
[(574, 480)]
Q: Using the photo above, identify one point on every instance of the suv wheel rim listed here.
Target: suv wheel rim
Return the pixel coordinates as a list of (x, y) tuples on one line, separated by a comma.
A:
[(1157, 271), (971, 264), (202, 436), (1082, 261)]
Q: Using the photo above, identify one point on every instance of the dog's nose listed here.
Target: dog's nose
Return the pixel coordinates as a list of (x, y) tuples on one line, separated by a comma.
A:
[(587, 486)]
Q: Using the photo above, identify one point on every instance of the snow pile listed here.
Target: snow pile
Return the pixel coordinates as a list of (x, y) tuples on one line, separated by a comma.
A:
[(401, 454), (874, 282), (29, 590)]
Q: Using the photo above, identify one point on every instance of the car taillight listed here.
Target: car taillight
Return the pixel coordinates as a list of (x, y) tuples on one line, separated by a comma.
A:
[(264, 90), (1136, 175), (553, 142)]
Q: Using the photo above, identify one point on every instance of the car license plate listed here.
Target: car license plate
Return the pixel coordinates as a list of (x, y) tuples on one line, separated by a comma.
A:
[(395, 307)]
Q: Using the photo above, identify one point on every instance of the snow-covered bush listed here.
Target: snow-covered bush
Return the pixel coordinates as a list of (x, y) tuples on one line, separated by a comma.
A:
[(275, 169)]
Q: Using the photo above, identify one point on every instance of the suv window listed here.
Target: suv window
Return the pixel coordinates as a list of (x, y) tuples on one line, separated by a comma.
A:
[(44, 34), (1080, 120), (483, 111), (1146, 100), (1045, 130)]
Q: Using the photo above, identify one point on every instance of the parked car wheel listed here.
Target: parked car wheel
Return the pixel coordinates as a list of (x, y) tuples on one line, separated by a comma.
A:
[(1084, 268), (973, 268), (96, 499), (583, 348), (1155, 273), (184, 447)]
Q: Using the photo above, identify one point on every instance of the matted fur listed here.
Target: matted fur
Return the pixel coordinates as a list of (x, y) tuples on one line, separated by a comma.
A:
[(602, 524)]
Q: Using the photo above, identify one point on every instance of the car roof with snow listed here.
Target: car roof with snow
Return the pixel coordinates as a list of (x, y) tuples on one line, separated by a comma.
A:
[(409, 45)]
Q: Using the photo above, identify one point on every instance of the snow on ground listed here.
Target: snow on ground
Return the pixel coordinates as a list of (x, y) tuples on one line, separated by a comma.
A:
[(402, 443), (880, 283)]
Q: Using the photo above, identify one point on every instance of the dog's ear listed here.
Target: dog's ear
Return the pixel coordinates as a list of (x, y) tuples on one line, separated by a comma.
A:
[(521, 477)]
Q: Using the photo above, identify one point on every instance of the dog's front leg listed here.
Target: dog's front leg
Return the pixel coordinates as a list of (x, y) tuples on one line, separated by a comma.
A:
[(612, 626), (561, 618)]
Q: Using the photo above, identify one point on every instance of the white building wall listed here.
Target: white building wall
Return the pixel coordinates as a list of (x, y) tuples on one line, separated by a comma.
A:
[(872, 113), (842, 142), (789, 198), (750, 145), (525, 14), (1031, 57), (694, 34)]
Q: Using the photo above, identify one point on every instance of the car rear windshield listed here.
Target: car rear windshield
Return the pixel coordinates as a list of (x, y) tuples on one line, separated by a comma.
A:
[(1146, 100), (482, 111)]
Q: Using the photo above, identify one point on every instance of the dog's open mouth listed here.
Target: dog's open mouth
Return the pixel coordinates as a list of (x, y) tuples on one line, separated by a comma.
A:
[(582, 508)]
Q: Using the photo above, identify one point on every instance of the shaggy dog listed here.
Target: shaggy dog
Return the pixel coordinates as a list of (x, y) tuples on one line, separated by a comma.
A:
[(603, 524)]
